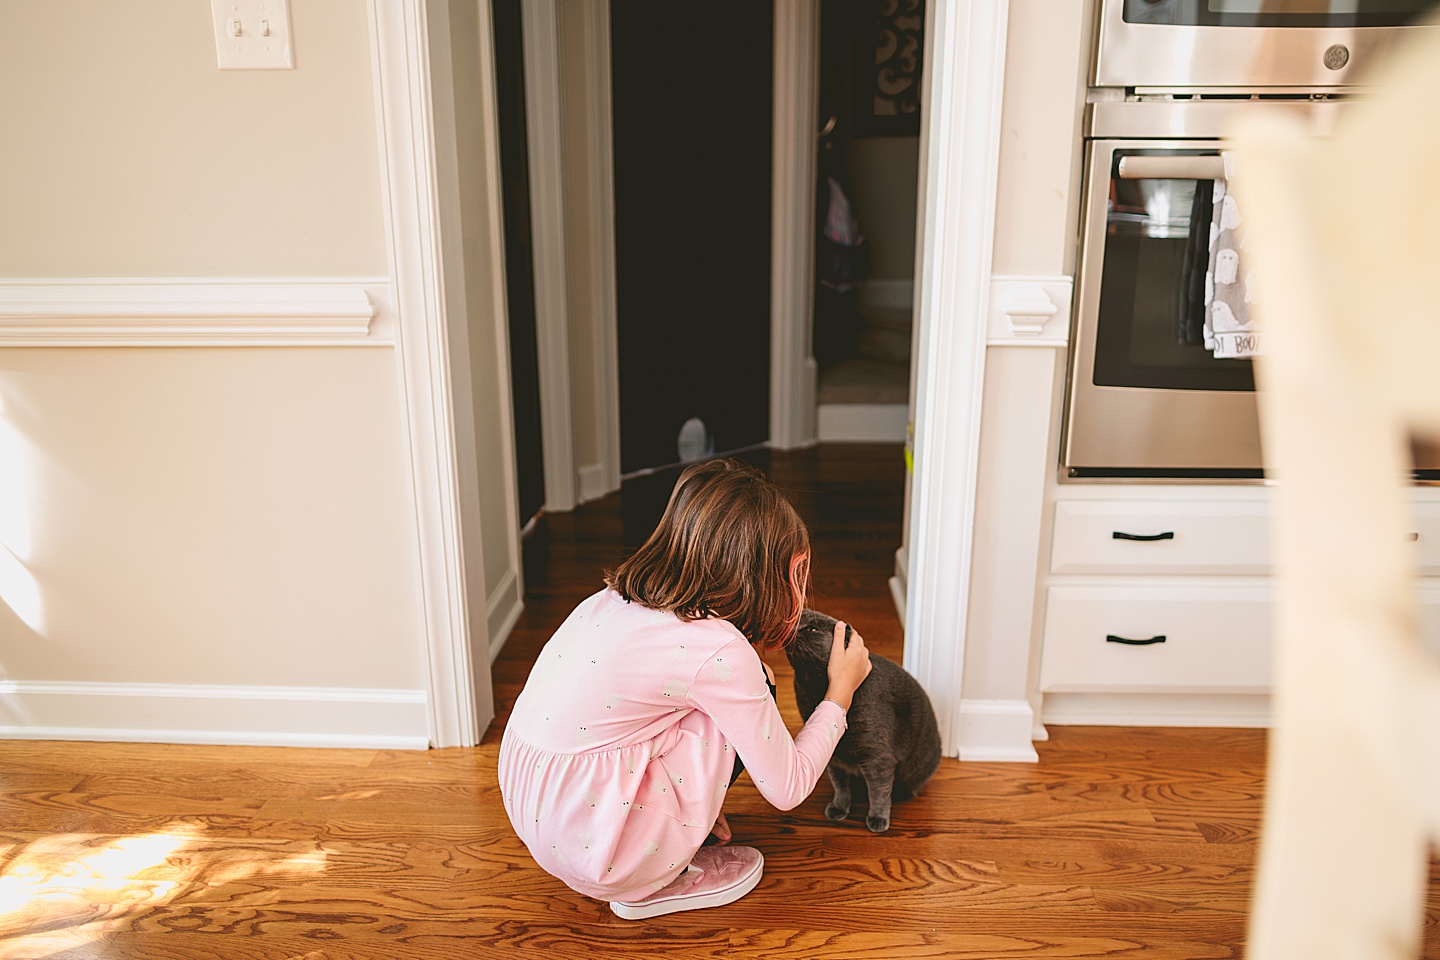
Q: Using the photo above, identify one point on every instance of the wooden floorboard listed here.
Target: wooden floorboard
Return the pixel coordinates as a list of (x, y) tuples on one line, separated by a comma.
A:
[(1119, 843)]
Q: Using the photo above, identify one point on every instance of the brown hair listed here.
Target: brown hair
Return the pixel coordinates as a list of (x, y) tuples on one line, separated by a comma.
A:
[(729, 546)]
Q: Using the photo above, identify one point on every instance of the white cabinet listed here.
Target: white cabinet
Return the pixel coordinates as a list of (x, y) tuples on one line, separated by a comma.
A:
[(1158, 610), (1130, 566), (1164, 537), (1183, 639)]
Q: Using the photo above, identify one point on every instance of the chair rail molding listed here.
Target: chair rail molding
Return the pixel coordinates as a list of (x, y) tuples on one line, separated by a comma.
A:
[(195, 311), (960, 146), (1029, 311)]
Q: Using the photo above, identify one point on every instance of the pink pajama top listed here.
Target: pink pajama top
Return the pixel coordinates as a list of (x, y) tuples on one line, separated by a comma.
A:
[(620, 748)]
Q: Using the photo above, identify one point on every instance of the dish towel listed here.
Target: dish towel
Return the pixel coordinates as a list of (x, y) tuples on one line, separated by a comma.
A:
[(1229, 331)]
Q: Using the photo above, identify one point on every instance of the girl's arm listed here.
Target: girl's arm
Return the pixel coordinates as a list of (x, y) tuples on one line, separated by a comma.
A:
[(731, 690)]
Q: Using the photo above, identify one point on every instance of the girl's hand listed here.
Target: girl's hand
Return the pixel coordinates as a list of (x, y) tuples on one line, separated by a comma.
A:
[(720, 833), (848, 667)]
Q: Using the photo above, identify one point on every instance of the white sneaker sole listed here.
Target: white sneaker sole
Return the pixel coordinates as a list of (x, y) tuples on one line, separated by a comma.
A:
[(682, 901)]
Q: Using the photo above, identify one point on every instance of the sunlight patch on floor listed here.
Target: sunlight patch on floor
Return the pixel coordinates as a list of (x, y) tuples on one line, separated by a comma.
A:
[(59, 893)]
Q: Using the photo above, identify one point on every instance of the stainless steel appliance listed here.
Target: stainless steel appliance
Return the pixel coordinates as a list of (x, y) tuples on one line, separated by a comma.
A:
[(1142, 401), (1172, 80), (1247, 44)]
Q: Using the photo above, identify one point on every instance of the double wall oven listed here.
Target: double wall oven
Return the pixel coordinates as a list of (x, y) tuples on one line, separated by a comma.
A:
[(1172, 79)]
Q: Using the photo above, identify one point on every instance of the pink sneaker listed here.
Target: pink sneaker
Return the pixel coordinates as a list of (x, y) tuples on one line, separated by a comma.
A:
[(716, 876)]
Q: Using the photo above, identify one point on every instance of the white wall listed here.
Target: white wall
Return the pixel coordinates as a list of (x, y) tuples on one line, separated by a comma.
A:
[(207, 543), (1037, 191)]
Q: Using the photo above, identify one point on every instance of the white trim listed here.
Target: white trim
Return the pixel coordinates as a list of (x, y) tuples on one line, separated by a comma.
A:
[(1157, 710), (209, 713), (504, 605), (593, 484), (599, 118), (502, 610), (862, 422), (900, 583), (792, 223), (1029, 311), (539, 28), (963, 88), (405, 114), (996, 730), (191, 311)]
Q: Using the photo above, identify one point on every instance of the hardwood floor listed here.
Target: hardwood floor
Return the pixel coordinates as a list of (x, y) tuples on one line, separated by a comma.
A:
[(1118, 843)]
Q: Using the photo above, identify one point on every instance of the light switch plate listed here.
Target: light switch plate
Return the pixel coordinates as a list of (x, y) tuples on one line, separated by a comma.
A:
[(253, 34)]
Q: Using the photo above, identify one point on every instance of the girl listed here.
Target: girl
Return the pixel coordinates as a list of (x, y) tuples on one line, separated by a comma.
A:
[(641, 708)]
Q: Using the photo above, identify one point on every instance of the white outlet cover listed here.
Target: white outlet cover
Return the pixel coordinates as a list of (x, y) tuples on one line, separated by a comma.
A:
[(263, 41)]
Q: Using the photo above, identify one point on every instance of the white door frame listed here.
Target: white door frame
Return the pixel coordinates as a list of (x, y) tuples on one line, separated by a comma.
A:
[(964, 70), (410, 185), (960, 148), (557, 129), (795, 133), (963, 88), (540, 40)]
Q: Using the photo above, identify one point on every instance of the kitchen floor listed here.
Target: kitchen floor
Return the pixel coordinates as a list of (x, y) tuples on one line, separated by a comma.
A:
[(1120, 842)]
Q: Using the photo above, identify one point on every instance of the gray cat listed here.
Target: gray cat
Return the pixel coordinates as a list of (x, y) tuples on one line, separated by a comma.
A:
[(892, 746)]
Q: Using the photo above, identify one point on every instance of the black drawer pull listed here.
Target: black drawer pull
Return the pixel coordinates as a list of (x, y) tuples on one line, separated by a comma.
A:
[(1111, 638), (1167, 535)]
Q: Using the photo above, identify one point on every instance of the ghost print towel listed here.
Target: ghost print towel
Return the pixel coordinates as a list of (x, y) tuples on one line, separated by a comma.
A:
[(1229, 331)]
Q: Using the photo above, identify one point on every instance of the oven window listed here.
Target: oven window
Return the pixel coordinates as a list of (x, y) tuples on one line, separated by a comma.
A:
[(1279, 13), (1149, 327)]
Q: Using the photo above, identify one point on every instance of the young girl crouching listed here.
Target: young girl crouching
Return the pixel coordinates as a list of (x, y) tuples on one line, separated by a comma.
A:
[(643, 706)]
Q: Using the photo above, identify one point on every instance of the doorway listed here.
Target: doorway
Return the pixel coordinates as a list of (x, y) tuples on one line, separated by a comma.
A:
[(867, 184), (692, 135)]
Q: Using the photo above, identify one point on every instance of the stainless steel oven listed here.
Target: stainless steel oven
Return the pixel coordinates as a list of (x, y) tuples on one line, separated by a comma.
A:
[(1172, 79), (1146, 398), (1247, 44)]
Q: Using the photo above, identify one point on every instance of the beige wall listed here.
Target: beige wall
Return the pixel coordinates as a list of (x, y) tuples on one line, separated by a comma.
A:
[(884, 174), (1034, 236), (1045, 59), (198, 515), (206, 516), (126, 153)]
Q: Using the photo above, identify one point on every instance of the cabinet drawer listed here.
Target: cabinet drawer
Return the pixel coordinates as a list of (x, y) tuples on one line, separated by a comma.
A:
[(1221, 537), (1425, 524), (1217, 639)]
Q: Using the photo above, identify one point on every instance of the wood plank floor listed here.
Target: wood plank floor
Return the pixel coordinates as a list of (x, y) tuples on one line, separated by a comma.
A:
[(1118, 843)]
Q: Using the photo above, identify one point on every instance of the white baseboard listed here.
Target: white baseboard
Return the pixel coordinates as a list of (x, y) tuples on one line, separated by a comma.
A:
[(996, 730), (862, 422), (503, 609), (897, 596), (1157, 709), (900, 582), (213, 714)]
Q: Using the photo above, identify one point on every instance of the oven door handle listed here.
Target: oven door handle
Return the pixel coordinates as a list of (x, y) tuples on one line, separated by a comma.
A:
[(1172, 168)]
